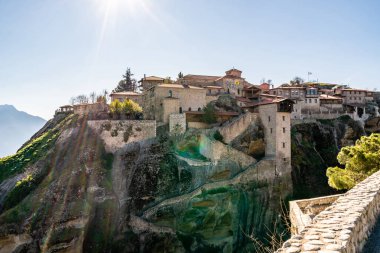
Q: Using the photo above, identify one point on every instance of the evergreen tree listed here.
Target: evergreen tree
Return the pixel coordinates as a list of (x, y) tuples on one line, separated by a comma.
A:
[(360, 161), (127, 84), (180, 75)]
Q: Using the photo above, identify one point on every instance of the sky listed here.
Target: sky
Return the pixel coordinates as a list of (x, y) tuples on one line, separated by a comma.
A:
[(51, 51)]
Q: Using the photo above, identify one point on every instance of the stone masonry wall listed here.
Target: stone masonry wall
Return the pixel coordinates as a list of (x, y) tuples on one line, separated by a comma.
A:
[(177, 123), (117, 133), (233, 129), (345, 225), (302, 212), (215, 150)]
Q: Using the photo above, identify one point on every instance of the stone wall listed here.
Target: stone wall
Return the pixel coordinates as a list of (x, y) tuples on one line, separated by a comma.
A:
[(118, 133), (303, 211), (215, 150), (233, 129), (90, 108), (345, 225), (177, 123)]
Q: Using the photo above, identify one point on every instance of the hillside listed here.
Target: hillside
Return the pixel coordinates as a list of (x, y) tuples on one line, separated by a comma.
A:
[(70, 189), (16, 128), (63, 192)]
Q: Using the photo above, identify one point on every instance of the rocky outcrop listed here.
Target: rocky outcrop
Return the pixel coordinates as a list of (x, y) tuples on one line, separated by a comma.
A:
[(193, 194), (314, 148)]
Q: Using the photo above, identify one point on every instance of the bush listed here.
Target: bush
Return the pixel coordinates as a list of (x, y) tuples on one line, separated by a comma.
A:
[(209, 115), (218, 136)]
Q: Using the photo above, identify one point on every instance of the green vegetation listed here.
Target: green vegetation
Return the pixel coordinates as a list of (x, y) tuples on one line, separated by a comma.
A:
[(127, 108), (360, 161), (218, 136), (209, 115), (32, 152)]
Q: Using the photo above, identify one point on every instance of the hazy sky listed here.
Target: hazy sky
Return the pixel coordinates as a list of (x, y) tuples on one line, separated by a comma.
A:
[(51, 50)]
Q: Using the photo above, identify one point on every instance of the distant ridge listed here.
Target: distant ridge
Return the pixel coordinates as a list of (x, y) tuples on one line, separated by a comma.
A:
[(16, 127)]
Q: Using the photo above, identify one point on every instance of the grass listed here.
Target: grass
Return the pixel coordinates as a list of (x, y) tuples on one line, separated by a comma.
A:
[(31, 153)]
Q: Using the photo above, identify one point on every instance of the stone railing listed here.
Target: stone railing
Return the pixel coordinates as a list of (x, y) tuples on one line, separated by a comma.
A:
[(345, 225)]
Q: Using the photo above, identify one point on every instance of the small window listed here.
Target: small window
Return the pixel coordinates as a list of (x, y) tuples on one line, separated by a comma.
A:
[(310, 100), (283, 144), (170, 93), (268, 118), (199, 109), (209, 91), (315, 100), (180, 110), (283, 118), (271, 130), (189, 109), (284, 159), (238, 91), (283, 129)]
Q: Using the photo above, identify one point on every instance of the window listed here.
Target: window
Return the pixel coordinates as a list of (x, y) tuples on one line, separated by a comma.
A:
[(271, 130), (238, 91), (310, 100), (283, 118), (170, 93), (315, 100), (268, 118), (283, 129), (283, 144), (284, 159), (209, 91), (189, 109), (180, 110)]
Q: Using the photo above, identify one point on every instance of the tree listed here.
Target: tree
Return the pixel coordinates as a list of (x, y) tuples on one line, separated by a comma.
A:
[(297, 81), (131, 108), (127, 84), (81, 99), (180, 75), (93, 97), (116, 108), (209, 115), (360, 161)]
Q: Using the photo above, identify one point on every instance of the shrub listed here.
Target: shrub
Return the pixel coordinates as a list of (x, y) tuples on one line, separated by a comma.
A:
[(218, 136), (209, 115), (127, 133), (114, 133), (116, 108)]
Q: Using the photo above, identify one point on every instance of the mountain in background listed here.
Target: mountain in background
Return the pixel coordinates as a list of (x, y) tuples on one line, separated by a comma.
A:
[(16, 128)]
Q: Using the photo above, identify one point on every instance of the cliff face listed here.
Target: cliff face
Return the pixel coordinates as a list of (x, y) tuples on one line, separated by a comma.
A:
[(314, 148), (62, 192)]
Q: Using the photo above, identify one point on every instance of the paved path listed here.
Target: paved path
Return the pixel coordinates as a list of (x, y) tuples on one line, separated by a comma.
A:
[(373, 243)]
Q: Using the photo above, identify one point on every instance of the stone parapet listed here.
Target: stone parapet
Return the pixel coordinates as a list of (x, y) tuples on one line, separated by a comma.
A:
[(345, 225)]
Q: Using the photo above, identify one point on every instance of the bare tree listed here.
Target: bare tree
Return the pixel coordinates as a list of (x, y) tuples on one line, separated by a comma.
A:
[(93, 97), (82, 99), (73, 100)]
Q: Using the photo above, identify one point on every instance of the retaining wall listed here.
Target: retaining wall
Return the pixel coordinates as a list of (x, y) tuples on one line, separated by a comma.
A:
[(117, 133), (345, 225), (233, 129)]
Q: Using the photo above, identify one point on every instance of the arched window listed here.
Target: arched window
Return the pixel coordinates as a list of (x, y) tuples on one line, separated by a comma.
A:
[(170, 93), (180, 110), (189, 109), (199, 109)]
